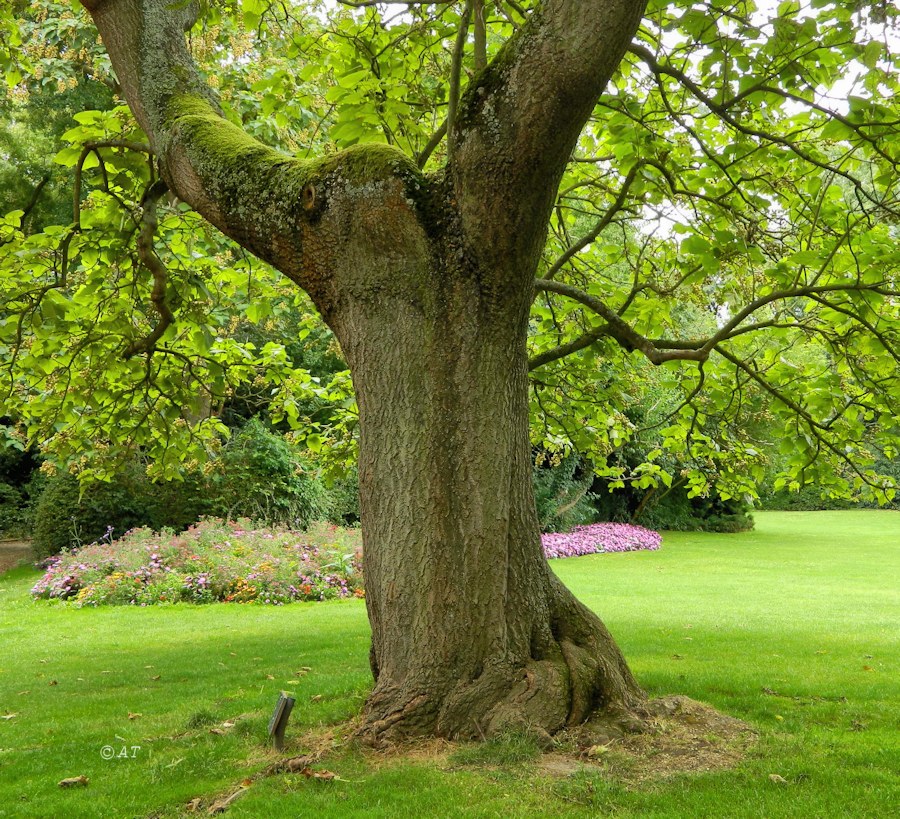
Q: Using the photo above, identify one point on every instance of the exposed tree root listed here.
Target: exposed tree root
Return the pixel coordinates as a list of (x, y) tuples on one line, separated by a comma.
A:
[(572, 671), (675, 735)]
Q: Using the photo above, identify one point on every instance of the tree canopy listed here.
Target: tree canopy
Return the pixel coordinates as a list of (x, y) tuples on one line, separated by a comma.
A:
[(729, 213)]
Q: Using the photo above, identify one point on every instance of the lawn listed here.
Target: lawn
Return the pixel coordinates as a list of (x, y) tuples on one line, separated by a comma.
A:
[(792, 627)]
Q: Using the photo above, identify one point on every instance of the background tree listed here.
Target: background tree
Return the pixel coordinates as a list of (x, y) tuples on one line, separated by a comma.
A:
[(712, 172)]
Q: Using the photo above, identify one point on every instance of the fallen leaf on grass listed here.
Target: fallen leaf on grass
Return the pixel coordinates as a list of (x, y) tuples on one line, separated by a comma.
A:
[(74, 782), (9, 716), (295, 764), (217, 731), (868, 668), (780, 780), (134, 716), (53, 682), (156, 677), (222, 805), (228, 724), (269, 677), (315, 698), (22, 693), (325, 776), (194, 805)]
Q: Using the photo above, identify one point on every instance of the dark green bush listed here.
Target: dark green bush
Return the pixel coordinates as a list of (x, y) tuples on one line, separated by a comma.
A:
[(674, 510), (808, 499), (561, 494), (343, 504), (261, 476), (65, 517), (20, 485), (14, 516)]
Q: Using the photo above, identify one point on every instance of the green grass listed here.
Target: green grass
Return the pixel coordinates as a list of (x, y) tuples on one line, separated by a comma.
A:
[(807, 607)]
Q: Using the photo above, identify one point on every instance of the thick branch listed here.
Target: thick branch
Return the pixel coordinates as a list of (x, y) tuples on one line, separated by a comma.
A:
[(659, 351), (431, 145), (581, 343), (617, 328), (455, 75), (480, 44), (269, 202), (521, 117), (601, 225)]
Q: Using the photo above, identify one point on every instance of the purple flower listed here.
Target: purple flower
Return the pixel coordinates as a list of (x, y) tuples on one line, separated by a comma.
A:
[(600, 537)]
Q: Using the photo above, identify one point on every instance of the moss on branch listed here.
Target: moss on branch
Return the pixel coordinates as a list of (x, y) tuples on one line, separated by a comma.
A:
[(234, 163)]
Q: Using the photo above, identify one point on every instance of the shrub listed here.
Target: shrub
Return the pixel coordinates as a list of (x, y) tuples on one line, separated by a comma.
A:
[(343, 503), (261, 477), (674, 510), (212, 561), (65, 517), (806, 499), (561, 494), (20, 486), (14, 517)]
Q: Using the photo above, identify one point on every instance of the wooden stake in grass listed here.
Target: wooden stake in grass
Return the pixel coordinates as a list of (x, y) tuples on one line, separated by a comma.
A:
[(280, 717)]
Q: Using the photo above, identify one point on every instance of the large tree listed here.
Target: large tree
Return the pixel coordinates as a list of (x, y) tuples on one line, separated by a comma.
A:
[(430, 281)]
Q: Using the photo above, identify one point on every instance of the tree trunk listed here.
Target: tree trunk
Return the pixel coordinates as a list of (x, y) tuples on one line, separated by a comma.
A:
[(471, 631)]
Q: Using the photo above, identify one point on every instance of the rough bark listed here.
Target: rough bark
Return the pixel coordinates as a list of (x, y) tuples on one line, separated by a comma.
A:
[(427, 284), (472, 633)]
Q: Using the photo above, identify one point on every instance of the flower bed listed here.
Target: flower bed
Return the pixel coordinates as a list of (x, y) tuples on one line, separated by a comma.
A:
[(234, 563), (212, 561), (600, 537)]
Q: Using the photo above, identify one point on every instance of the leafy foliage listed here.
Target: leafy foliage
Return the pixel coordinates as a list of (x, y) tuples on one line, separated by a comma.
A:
[(561, 495), (730, 214), (260, 476)]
